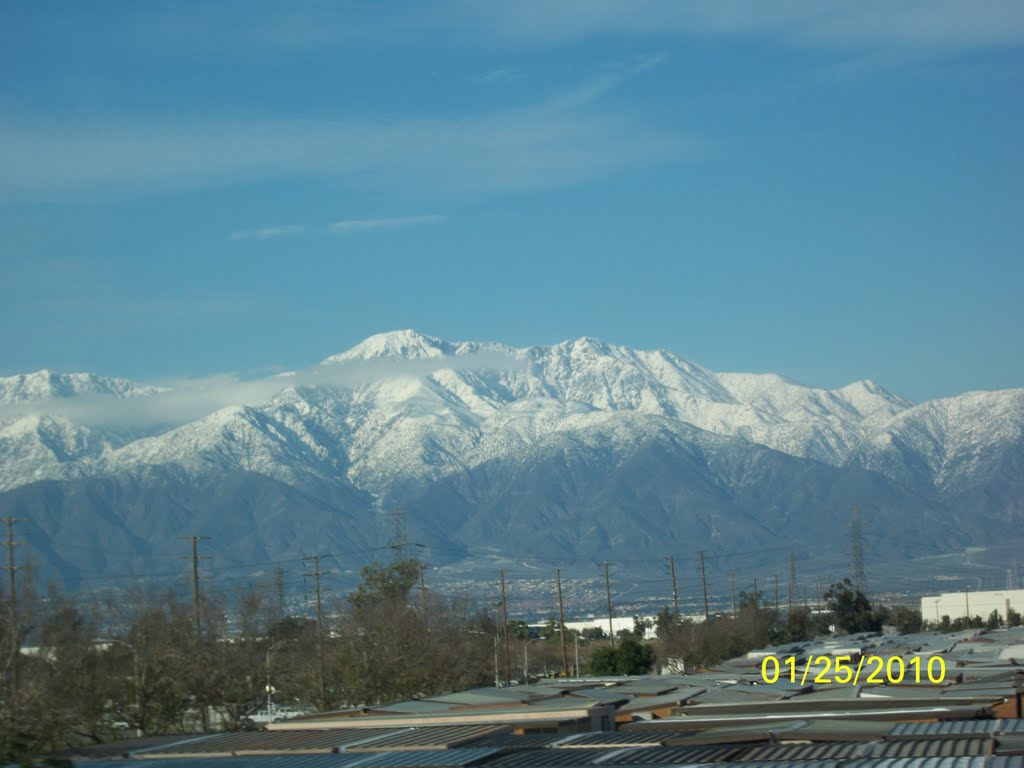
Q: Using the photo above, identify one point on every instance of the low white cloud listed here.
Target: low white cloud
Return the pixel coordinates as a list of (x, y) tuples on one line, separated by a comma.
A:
[(347, 226), (183, 400)]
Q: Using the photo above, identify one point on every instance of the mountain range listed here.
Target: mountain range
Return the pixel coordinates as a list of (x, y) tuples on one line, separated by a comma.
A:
[(578, 451)]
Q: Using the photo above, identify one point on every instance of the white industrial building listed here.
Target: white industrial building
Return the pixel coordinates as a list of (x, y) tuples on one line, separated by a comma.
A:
[(967, 603)]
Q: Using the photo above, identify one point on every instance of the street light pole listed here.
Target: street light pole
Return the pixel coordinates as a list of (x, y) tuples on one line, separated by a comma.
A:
[(270, 690), (526, 661)]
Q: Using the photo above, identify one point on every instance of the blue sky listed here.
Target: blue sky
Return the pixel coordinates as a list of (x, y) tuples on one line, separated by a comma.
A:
[(831, 191)]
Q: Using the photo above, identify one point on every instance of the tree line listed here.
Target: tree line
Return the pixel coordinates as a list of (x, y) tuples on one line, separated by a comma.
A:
[(91, 670)]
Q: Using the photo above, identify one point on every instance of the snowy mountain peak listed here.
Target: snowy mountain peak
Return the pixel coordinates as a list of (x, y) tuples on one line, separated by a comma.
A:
[(45, 384), (407, 344)]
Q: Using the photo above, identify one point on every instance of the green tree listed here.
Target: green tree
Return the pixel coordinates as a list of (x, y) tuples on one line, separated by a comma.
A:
[(380, 584), (907, 620), (851, 609), (629, 657)]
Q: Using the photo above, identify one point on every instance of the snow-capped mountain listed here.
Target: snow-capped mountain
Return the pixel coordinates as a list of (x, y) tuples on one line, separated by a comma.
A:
[(481, 442)]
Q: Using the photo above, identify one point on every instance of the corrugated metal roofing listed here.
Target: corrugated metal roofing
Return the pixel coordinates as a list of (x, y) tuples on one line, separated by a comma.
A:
[(603, 695), (434, 758), (289, 761), (648, 687), (665, 700), (916, 762), (835, 729), (545, 758), (265, 742), (708, 753), (479, 698), (519, 740), (414, 707), (1010, 726), (436, 737), (619, 739), (805, 764), (954, 747), (948, 728), (819, 751), (1010, 744)]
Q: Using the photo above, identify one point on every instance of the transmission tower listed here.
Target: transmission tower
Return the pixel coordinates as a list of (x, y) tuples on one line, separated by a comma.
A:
[(857, 549)]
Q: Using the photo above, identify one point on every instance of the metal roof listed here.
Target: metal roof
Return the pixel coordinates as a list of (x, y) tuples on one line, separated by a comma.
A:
[(519, 740), (484, 697), (262, 742), (648, 687), (803, 764), (289, 761), (414, 707), (665, 700), (434, 758), (916, 762), (947, 728), (1011, 744), (618, 739), (706, 753), (933, 748), (819, 751), (544, 758), (436, 737), (604, 695)]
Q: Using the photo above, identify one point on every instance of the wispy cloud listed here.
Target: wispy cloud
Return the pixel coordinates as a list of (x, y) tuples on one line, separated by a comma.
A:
[(500, 75), (349, 226), (267, 233), (936, 25), (185, 400), (511, 149)]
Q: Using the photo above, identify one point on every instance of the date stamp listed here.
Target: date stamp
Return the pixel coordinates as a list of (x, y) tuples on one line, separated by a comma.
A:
[(873, 670)]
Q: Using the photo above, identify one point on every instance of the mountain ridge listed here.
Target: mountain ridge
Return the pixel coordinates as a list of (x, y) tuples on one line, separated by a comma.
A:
[(429, 422)]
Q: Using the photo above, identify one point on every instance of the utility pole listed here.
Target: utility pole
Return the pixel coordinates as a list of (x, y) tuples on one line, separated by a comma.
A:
[(757, 599), (675, 592), (197, 618), (504, 629), (279, 586), (776, 592), (561, 624), (732, 578), (704, 580), (423, 587), (608, 592), (857, 550), (967, 604), (792, 578), (319, 628), (817, 594), (15, 645)]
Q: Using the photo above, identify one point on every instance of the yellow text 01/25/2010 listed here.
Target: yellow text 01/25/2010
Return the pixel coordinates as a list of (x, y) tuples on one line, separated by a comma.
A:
[(872, 670)]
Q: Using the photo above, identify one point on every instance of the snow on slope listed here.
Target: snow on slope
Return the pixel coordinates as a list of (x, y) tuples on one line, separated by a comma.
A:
[(38, 441), (413, 427), (949, 444), (45, 385)]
